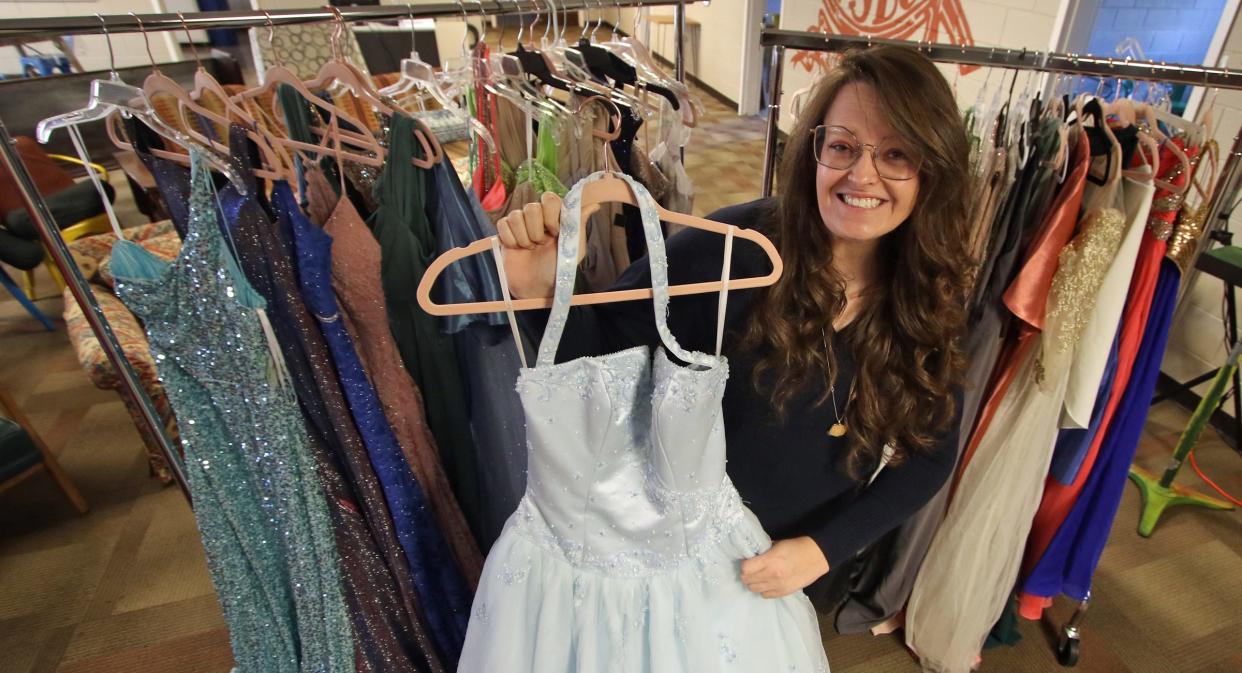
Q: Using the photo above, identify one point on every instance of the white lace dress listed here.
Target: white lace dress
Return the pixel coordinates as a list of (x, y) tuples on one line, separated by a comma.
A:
[(624, 555)]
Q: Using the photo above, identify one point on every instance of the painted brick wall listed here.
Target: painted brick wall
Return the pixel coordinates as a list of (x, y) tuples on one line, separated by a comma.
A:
[(1197, 341), (1011, 24), (1177, 31)]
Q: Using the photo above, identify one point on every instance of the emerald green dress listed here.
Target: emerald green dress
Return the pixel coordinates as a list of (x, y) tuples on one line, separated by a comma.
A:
[(407, 243)]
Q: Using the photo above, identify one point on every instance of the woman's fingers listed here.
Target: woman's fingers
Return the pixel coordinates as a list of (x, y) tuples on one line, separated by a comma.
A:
[(551, 213), (533, 213), (504, 229), (753, 568), (517, 225)]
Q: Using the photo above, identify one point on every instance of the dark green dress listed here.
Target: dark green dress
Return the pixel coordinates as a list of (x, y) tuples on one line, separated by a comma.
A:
[(408, 244)]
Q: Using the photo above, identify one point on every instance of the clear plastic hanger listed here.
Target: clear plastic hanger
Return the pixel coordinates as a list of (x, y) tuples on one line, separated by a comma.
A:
[(634, 51), (504, 75), (419, 76), (110, 99)]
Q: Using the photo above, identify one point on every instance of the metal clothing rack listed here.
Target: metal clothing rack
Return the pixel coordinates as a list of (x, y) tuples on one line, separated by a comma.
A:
[(1017, 59), (29, 29), (1014, 59)]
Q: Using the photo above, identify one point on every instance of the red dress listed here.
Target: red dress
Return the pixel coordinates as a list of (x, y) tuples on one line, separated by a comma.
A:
[(1059, 498)]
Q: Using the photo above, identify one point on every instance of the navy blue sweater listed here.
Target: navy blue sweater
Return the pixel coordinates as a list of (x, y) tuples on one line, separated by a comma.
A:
[(787, 469)]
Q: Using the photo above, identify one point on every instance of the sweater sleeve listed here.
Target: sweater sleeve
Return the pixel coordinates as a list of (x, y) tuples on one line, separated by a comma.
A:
[(896, 494)]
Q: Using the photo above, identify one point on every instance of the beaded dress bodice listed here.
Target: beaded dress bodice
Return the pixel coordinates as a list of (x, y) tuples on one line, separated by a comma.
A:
[(627, 450)]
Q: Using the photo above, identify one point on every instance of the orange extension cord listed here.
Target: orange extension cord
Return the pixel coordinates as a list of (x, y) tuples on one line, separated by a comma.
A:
[(1194, 464)]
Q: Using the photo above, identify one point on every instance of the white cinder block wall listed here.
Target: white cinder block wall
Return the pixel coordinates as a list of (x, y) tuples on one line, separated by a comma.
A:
[(1009, 24), (1197, 339)]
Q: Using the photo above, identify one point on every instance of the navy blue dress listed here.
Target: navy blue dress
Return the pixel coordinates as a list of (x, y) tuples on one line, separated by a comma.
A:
[(445, 597)]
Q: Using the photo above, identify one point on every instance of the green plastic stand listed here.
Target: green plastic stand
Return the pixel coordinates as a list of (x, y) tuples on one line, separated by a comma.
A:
[(1161, 493)]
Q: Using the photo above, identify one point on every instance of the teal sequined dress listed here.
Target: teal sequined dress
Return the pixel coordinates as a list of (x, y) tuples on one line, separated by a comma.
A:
[(258, 501)]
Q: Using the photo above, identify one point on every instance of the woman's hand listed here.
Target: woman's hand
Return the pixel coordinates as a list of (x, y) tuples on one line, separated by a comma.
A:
[(529, 237), (789, 566)]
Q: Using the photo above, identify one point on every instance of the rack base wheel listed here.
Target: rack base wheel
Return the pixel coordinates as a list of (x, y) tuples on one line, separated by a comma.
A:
[(1067, 651)]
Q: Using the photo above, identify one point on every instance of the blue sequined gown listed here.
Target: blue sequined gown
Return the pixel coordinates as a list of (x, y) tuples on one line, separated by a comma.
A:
[(624, 555), (257, 498)]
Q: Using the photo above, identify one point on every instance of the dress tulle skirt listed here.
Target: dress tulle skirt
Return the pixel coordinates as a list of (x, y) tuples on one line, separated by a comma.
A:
[(537, 612)]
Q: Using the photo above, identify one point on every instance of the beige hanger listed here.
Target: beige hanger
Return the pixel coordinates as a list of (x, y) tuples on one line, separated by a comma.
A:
[(365, 149), (607, 189), (274, 166), (340, 69)]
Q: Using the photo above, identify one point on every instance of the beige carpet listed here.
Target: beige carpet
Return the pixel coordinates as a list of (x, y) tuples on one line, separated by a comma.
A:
[(124, 589)]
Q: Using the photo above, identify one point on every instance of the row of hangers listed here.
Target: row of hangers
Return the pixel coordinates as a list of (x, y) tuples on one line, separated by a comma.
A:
[(346, 140), (1150, 114), (526, 76), (579, 69)]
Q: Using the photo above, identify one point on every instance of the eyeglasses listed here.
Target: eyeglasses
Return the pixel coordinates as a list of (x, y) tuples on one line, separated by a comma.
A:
[(838, 148)]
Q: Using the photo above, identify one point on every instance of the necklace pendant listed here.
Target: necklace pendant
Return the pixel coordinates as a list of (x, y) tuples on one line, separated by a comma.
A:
[(837, 430)]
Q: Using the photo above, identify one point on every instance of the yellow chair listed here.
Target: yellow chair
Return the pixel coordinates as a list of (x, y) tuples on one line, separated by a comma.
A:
[(96, 224)]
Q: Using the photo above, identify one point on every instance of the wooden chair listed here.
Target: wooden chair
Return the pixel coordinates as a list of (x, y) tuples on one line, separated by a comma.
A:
[(23, 453)]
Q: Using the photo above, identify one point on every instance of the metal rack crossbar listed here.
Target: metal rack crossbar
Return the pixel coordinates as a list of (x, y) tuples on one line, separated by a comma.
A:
[(25, 30)]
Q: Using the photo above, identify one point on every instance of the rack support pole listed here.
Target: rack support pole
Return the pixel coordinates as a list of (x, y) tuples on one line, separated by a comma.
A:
[(679, 21), (774, 113), (78, 286)]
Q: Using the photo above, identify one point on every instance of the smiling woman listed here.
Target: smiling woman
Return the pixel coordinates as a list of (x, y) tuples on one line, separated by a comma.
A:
[(850, 362)]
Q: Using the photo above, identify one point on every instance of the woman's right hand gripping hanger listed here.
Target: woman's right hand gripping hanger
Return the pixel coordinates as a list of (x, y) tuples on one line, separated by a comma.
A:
[(526, 246)]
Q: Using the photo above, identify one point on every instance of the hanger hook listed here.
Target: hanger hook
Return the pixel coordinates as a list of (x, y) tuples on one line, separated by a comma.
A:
[(465, 32), (616, 26), (103, 24), (410, 10), (482, 22), (517, 4), (338, 31), (190, 40), (547, 25), (271, 38), (145, 38), (614, 114), (603, 12)]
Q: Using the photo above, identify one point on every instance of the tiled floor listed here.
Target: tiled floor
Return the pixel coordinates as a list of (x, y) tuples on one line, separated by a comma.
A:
[(125, 588)]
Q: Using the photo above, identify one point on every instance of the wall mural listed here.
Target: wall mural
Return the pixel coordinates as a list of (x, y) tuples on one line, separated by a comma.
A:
[(918, 20)]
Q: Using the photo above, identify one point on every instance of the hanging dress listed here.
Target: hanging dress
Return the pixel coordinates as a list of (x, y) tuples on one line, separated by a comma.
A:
[(407, 244), (1058, 499), (380, 600), (488, 356), (257, 499), (973, 560), (437, 577), (356, 279), (1067, 555), (623, 556)]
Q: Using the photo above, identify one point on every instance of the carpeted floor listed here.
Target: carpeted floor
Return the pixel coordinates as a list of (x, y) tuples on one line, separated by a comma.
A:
[(124, 589)]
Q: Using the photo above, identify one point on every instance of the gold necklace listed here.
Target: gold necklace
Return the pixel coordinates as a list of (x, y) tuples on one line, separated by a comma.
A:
[(839, 428)]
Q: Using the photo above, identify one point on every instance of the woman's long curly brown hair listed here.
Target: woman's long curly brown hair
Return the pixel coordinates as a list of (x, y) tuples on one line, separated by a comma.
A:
[(905, 338)]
